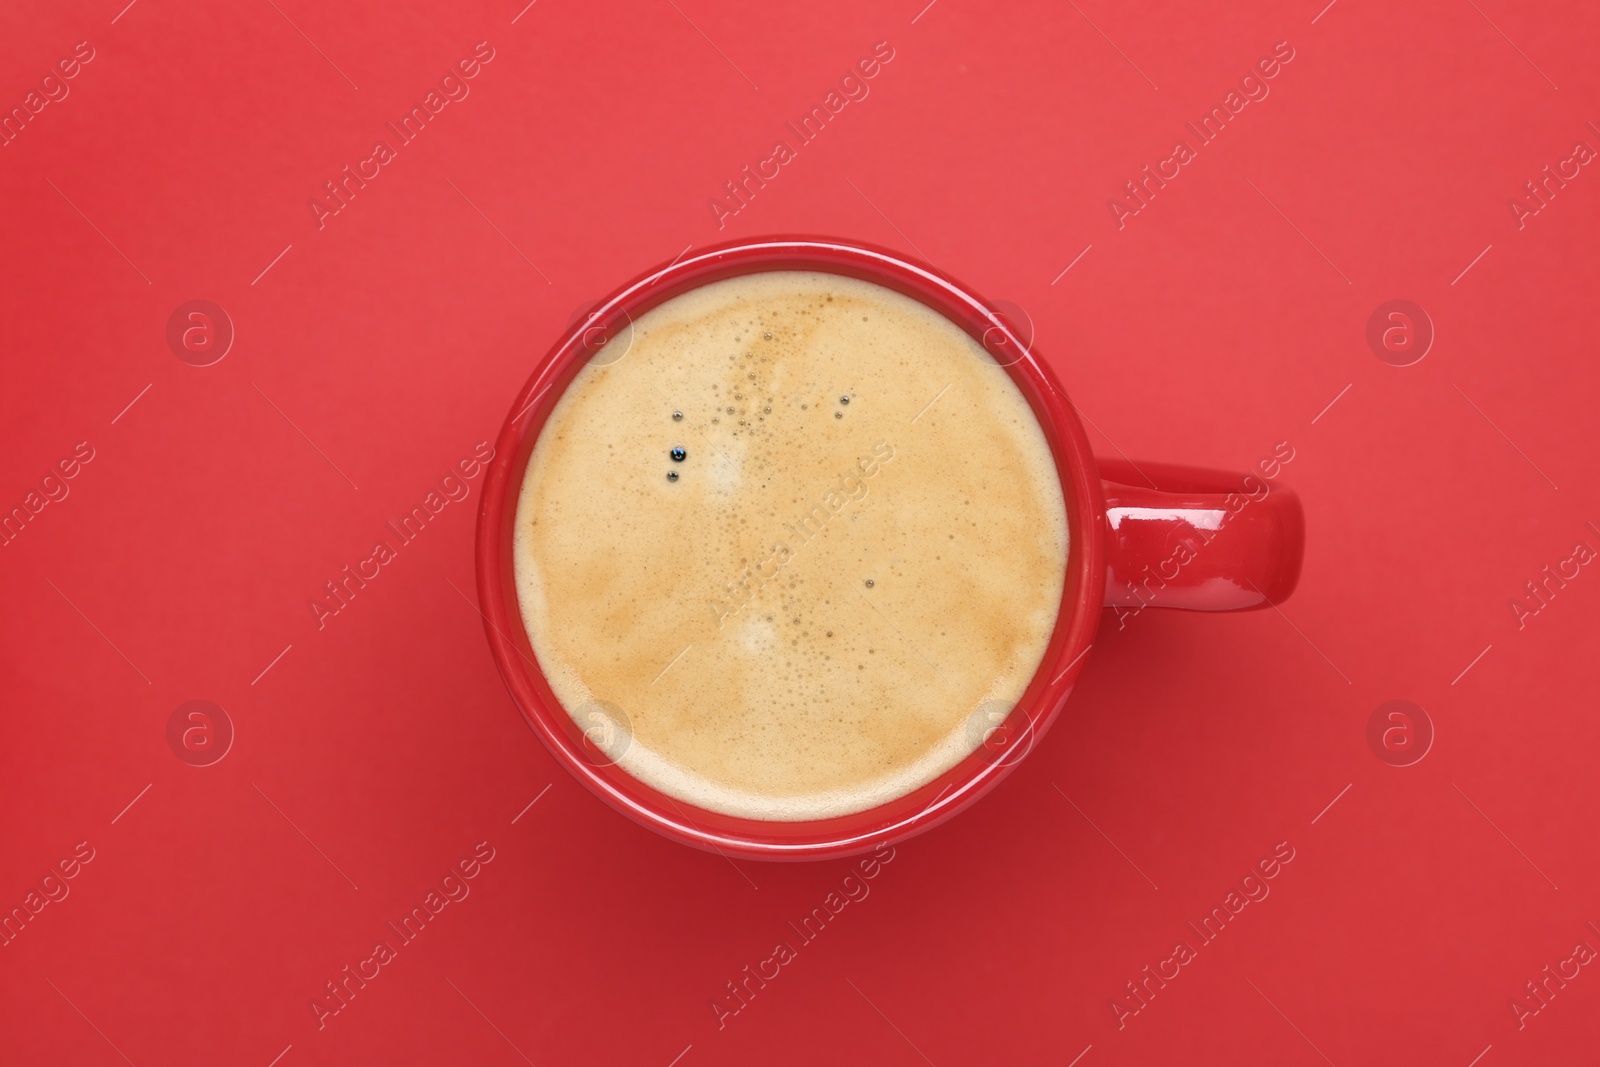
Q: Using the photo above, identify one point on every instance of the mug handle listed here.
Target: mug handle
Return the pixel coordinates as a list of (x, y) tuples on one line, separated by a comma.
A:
[(1201, 540)]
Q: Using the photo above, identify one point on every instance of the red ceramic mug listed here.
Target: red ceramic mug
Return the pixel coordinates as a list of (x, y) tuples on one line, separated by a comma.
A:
[(1146, 535)]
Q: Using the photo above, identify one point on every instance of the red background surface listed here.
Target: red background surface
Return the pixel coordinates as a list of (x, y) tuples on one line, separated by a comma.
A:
[(374, 753)]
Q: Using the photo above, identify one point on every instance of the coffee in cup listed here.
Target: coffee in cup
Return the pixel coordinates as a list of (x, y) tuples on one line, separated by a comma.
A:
[(786, 543)]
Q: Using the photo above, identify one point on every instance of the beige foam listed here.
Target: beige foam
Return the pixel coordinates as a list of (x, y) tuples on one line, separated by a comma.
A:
[(728, 613)]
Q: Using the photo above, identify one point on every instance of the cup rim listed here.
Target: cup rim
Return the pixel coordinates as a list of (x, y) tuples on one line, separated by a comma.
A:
[(933, 802)]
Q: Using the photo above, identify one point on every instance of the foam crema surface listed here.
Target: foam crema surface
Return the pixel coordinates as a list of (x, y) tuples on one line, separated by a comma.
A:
[(859, 559)]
